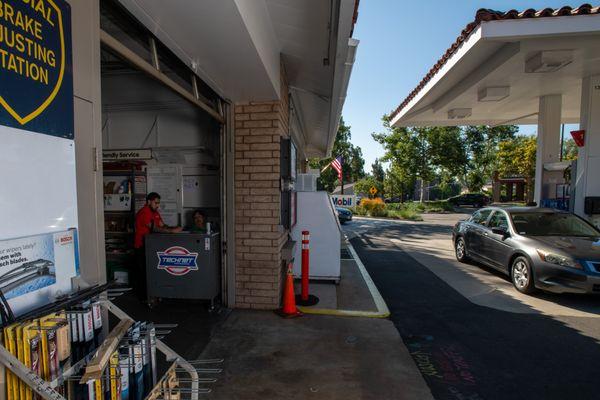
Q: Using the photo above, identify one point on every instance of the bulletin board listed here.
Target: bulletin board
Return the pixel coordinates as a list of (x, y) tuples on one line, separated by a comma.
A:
[(166, 181)]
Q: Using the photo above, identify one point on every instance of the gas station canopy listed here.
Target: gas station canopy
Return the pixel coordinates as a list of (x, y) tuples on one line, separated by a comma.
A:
[(503, 63)]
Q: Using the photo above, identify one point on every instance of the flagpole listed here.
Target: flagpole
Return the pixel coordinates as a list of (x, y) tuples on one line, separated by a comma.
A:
[(342, 175)]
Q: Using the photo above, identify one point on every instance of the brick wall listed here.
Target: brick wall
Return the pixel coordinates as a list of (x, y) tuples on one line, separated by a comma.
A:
[(259, 235)]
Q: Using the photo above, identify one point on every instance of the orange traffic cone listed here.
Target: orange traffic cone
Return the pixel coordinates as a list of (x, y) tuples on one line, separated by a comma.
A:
[(289, 309)]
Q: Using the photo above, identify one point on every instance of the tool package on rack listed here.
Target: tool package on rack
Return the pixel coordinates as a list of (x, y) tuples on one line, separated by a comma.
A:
[(66, 350)]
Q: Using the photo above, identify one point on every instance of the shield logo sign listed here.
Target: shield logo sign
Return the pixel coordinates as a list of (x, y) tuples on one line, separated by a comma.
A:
[(33, 57)]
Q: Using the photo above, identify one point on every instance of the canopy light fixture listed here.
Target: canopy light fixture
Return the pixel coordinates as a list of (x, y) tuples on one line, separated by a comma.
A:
[(548, 61), (459, 113), (493, 93)]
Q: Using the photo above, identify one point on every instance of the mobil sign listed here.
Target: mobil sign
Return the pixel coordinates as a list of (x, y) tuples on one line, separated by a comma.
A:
[(343, 200)]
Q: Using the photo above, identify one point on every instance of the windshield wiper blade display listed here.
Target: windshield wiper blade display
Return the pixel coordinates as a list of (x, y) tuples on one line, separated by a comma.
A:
[(25, 273)]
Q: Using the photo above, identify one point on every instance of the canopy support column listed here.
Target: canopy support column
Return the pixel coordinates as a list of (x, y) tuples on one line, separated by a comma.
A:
[(587, 183), (548, 145)]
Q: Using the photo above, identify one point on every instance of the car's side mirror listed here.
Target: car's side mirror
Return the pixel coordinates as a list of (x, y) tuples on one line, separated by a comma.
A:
[(500, 231)]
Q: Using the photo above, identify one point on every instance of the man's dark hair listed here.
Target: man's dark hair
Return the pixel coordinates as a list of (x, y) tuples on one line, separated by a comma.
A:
[(152, 196)]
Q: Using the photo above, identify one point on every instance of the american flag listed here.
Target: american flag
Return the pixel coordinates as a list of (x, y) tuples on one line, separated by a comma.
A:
[(337, 165)]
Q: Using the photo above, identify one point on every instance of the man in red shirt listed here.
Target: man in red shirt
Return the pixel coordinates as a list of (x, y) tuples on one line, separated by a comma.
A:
[(147, 220)]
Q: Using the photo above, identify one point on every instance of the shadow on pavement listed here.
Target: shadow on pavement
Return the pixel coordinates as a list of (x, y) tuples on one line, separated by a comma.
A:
[(468, 351), (416, 234)]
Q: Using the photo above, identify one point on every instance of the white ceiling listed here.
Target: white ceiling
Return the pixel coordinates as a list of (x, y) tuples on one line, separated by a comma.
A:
[(302, 31), (212, 38), (495, 55), (235, 47)]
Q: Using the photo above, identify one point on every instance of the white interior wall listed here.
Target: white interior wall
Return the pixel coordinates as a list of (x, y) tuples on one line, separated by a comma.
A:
[(141, 113), (138, 113)]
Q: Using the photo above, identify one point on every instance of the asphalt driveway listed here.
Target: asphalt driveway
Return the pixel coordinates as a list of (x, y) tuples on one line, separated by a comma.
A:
[(471, 335)]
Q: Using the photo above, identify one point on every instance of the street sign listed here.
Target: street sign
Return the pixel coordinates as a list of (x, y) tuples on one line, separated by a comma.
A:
[(373, 190)]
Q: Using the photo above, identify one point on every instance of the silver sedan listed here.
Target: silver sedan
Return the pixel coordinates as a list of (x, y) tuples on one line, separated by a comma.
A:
[(537, 248)]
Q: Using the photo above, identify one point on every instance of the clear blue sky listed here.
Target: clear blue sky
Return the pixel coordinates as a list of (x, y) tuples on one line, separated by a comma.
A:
[(400, 41)]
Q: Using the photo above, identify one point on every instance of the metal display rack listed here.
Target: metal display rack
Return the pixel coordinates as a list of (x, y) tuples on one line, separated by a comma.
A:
[(170, 386), (119, 224)]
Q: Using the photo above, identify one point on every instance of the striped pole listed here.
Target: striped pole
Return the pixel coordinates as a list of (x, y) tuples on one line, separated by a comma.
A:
[(305, 299), (305, 264)]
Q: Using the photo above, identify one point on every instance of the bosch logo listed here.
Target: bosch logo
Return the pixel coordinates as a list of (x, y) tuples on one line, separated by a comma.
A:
[(177, 260), (66, 240)]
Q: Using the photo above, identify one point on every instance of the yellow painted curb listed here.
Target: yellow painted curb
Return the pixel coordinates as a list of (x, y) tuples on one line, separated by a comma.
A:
[(343, 313), (382, 308)]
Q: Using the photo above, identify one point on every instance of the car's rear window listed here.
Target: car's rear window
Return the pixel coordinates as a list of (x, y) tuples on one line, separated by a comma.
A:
[(552, 224)]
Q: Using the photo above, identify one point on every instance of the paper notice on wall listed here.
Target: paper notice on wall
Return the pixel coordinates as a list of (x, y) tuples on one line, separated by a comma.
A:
[(140, 185), (36, 269), (166, 180)]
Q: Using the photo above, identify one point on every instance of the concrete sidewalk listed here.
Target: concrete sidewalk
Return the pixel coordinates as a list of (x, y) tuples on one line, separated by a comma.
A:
[(355, 294), (314, 356), (347, 351)]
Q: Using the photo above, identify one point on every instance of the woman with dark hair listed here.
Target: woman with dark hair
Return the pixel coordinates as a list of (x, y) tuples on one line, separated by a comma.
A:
[(199, 224)]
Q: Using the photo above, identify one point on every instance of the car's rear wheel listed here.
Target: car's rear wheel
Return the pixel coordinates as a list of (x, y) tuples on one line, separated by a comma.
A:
[(521, 275), (460, 249)]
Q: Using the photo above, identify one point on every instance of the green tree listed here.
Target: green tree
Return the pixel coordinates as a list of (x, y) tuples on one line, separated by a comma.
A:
[(423, 153), (357, 164), (481, 145), (353, 162), (398, 182), (516, 156), (377, 170), (364, 185), (449, 151), (407, 148), (570, 150)]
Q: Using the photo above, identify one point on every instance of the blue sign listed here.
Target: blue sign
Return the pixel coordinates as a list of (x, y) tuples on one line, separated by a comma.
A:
[(36, 69), (177, 260), (34, 269)]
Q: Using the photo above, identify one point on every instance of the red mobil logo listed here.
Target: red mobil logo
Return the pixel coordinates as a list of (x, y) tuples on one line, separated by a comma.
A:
[(177, 260)]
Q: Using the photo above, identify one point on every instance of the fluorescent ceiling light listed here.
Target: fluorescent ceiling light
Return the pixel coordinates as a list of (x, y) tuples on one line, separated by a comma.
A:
[(459, 113), (548, 61), (493, 93)]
